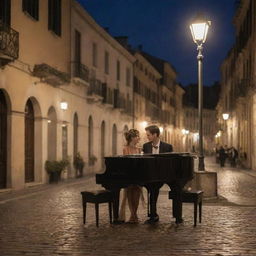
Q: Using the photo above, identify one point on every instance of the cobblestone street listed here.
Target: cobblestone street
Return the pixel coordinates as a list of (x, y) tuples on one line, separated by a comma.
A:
[(47, 220)]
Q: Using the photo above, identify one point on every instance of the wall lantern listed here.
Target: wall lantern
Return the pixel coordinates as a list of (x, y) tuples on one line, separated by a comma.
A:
[(64, 105)]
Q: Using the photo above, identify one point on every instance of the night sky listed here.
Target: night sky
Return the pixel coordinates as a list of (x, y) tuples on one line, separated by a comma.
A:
[(162, 28)]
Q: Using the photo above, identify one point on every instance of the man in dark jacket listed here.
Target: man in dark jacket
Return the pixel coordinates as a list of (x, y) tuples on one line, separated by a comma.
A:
[(154, 146)]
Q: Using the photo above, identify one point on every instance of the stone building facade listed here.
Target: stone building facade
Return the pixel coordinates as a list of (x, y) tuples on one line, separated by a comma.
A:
[(238, 82), (170, 102), (67, 86), (190, 132)]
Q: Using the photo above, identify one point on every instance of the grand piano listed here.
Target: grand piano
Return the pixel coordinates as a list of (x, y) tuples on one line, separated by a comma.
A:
[(174, 169)]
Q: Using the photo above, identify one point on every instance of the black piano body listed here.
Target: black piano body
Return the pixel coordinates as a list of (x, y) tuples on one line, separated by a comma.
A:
[(174, 169)]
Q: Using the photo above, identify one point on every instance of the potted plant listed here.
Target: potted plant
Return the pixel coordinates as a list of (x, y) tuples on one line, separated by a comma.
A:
[(54, 169), (92, 160), (79, 165)]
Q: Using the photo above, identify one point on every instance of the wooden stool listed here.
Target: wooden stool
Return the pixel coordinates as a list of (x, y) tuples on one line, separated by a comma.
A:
[(195, 197), (97, 197)]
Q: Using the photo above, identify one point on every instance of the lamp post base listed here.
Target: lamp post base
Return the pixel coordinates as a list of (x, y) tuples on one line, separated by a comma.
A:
[(206, 181), (201, 163)]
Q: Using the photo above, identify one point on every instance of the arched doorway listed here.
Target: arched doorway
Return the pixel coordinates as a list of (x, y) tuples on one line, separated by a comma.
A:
[(75, 135), (126, 129), (3, 140), (90, 140), (102, 143), (52, 134), (29, 142), (114, 140)]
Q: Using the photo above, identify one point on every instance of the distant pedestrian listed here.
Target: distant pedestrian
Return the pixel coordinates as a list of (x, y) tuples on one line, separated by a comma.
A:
[(217, 154), (233, 156), (222, 156)]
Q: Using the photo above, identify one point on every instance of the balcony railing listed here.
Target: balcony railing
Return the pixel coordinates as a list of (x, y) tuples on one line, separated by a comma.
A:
[(107, 94), (95, 87), (9, 43), (80, 70), (50, 75)]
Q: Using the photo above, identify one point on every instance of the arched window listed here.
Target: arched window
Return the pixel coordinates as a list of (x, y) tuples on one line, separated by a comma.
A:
[(90, 139), (126, 129), (75, 135), (3, 140), (52, 134), (114, 140), (102, 142), (29, 142)]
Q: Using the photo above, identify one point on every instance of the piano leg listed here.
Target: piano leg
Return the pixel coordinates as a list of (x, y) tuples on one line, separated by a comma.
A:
[(116, 194)]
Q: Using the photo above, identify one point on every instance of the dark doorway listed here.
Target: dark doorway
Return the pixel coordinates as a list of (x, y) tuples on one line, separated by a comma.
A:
[(29, 142), (3, 140), (75, 134)]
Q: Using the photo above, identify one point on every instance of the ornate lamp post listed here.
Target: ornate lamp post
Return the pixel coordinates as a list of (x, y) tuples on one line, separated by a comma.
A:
[(199, 29)]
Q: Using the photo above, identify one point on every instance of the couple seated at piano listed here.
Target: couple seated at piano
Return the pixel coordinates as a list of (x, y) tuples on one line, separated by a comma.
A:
[(133, 193)]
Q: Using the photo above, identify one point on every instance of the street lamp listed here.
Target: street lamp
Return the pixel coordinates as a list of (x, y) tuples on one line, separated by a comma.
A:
[(225, 116), (199, 29)]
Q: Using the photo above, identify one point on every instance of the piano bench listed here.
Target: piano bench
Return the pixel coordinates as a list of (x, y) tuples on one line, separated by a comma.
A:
[(195, 197), (97, 197)]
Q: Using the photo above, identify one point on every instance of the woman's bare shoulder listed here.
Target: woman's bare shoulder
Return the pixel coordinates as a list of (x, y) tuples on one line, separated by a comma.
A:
[(125, 150)]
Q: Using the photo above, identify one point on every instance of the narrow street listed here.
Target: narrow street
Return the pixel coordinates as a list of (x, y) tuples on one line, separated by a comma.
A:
[(47, 220)]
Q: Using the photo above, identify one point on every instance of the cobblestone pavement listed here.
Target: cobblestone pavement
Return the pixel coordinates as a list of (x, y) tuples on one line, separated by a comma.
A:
[(47, 220), (235, 184)]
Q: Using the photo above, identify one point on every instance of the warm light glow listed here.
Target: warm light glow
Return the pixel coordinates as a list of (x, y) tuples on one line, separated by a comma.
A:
[(144, 124), (218, 134), (64, 105), (195, 136), (225, 116), (161, 129), (184, 131), (49, 121), (199, 29)]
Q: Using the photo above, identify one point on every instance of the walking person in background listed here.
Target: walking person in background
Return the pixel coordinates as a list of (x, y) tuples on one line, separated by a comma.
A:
[(217, 154), (233, 156), (222, 156)]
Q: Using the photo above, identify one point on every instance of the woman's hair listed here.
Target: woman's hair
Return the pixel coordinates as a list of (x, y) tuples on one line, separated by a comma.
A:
[(130, 135)]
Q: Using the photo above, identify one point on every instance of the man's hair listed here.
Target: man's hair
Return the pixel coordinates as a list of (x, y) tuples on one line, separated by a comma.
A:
[(153, 129)]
